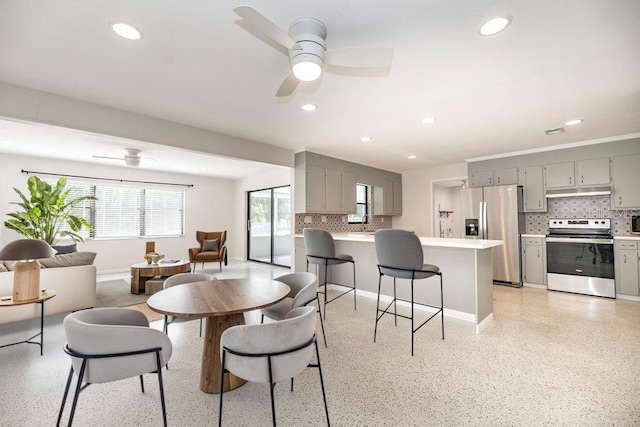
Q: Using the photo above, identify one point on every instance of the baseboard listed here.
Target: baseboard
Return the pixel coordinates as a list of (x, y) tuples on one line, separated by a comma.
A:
[(534, 285)]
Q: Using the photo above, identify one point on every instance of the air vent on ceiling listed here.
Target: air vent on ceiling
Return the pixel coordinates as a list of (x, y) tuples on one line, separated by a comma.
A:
[(554, 131)]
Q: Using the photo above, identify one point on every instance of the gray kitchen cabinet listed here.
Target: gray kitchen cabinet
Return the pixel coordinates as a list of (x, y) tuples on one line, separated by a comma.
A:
[(626, 176), (505, 176), (333, 190), (534, 197), (559, 175), (593, 172), (627, 267), (315, 189), (387, 200), (349, 201), (482, 179), (534, 260), (329, 190)]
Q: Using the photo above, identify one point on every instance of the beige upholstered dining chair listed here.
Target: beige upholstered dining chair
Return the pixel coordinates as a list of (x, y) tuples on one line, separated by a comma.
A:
[(110, 344), (400, 256), (304, 290), (180, 279), (271, 352)]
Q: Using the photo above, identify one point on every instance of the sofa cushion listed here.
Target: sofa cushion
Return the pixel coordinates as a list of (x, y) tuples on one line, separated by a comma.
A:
[(68, 260), (210, 245), (65, 249)]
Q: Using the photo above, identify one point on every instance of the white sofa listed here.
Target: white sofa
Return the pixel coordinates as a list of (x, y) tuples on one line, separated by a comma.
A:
[(75, 288)]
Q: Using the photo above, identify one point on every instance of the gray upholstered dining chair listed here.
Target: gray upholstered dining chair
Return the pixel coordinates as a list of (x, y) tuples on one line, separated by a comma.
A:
[(400, 256), (304, 290), (181, 279), (321, 251), (110, 344), (271, 352)]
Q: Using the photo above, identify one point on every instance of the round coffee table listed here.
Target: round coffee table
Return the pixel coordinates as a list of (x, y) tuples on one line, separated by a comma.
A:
[(143, 271)]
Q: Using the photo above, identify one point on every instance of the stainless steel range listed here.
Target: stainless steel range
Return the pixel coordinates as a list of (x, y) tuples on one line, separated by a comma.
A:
[(580, 257)]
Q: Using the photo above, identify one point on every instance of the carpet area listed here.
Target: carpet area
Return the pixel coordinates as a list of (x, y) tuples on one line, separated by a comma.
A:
[(117, 293)]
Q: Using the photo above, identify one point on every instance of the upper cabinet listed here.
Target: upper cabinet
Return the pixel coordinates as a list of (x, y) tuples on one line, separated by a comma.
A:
[(582, 173), (559, 175), (330, 190), (387, 200), (593, 172), (534, 197), (482, 179), (494, 177), (626, 176)]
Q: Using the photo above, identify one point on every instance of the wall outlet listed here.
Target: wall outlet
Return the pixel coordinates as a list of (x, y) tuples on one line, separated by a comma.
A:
[(323, 218), (344, 219), (307, 219), (382, 219)]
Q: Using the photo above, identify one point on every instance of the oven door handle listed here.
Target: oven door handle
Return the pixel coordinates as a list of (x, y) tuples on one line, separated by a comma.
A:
[(579, 240)]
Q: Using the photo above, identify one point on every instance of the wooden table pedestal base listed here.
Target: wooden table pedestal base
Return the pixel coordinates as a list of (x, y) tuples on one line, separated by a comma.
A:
[(211, 361)]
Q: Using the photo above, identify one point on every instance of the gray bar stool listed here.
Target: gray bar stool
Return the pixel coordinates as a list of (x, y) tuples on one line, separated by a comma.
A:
[(321, 251), (400, 256)]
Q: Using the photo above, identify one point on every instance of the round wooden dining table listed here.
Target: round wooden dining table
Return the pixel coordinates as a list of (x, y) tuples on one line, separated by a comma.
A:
[(223, 303)]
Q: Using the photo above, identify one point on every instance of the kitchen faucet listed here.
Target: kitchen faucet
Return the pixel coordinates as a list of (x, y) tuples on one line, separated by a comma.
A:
[(364, 218)]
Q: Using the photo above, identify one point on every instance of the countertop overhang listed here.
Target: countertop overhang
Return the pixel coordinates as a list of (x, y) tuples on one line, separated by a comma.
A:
[(425, 241)]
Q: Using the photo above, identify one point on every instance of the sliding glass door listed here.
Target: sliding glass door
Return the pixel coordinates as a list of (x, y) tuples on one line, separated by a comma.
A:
[(269, 226)]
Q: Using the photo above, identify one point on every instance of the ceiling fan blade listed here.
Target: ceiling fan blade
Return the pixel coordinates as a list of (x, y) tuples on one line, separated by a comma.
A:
[(289, 84), (107, 157), (265, 26), (359, 57)]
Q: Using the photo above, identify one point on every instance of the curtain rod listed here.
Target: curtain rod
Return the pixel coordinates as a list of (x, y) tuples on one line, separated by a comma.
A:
[(106, 179)]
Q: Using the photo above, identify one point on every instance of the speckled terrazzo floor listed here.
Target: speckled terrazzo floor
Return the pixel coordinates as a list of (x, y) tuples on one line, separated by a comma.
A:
[(547, 359)]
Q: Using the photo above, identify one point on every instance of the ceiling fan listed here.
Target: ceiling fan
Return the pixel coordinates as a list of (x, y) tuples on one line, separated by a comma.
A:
[(308, 52), (131, 158)]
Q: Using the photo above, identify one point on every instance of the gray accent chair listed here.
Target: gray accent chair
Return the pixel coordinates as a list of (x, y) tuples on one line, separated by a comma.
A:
[(110, 344), (181, 279), (400, 256), (321, 251), (272, 352), (304, 290)]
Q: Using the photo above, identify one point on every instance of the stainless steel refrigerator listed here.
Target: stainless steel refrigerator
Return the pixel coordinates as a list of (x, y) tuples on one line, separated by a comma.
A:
[(496, 213)]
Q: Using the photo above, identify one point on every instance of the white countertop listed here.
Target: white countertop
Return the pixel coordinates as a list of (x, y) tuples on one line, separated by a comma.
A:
[(426, 241), (533, 235), (626, 237)]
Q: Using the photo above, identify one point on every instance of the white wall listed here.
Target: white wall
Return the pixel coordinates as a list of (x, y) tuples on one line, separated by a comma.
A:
[(417, 200), (271, 176), (209, 205)]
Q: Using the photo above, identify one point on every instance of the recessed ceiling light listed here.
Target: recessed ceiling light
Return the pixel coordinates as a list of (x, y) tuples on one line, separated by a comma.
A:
[(309, 107), (412, 156), (366, 139), (495, 25), (428, 120), (127, 31), (573, 122)]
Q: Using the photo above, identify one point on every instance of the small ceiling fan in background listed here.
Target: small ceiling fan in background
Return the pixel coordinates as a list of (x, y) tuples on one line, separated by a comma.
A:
[(131, 158), (308, 52)]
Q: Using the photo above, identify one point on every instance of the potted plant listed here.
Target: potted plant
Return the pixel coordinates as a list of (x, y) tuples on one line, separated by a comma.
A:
[(47, 210)]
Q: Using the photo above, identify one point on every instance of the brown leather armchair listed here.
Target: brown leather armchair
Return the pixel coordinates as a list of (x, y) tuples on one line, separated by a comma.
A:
[(206, 252)]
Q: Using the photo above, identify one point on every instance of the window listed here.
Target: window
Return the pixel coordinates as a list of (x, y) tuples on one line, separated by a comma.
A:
[(125, 212), (361, 205)]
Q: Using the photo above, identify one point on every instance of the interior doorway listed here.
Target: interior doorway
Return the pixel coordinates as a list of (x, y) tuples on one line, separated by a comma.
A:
[(269, 226), (446, 207)]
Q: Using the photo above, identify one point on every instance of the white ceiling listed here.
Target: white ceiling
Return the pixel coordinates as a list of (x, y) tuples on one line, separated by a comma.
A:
[(558, 60)]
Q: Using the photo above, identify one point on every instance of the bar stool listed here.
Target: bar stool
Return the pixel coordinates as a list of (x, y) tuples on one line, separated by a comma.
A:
[(400, 256), (321, 250)]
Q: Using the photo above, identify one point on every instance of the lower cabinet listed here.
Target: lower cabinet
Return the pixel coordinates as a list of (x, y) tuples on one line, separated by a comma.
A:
[(534, 260), (627, 267)]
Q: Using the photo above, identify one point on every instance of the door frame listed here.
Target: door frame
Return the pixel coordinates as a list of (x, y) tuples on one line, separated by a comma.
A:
[(272, 231)]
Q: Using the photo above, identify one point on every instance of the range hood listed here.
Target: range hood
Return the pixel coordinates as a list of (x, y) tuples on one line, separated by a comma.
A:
[(579, 192)]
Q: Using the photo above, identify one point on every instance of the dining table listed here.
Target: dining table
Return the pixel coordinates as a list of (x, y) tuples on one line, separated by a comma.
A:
[(223, 304)]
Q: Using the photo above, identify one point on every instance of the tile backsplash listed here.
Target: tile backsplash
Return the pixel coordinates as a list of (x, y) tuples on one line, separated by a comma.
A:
[(338, 223), (581, 207)]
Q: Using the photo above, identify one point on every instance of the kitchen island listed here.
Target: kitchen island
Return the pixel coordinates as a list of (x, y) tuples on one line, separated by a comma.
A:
[(466, 266)]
